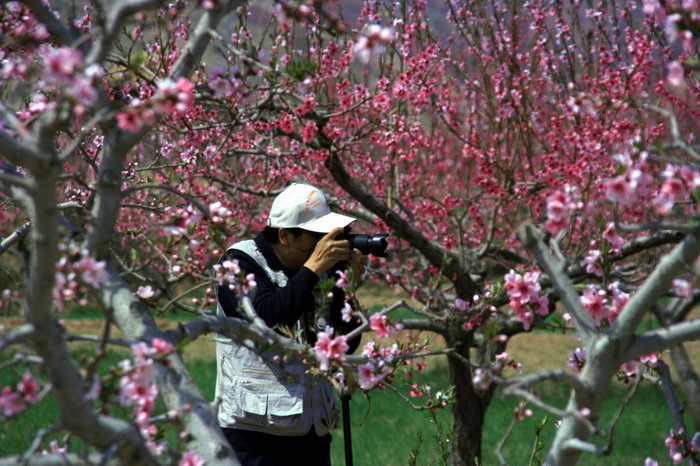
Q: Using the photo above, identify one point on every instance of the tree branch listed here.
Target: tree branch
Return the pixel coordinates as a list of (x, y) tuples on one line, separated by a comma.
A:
[(201, 37), (662, 339), (432, 251), (656, 285), (16, 236)]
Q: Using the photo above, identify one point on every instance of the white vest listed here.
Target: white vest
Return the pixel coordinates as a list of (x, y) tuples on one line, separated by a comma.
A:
[(255, 393)]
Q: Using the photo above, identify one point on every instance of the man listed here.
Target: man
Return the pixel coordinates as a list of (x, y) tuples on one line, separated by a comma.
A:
[(279, 414)]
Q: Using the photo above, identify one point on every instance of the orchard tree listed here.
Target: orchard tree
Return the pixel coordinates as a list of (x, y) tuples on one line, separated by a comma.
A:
[(534, 164)]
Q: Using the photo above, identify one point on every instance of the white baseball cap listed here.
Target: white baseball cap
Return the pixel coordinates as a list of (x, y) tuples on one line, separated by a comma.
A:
[(304, 206)]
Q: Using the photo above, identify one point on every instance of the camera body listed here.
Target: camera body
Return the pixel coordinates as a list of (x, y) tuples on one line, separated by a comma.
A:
[(367, 244)]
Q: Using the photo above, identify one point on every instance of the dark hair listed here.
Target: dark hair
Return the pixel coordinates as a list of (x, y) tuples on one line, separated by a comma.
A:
[(272, 234)]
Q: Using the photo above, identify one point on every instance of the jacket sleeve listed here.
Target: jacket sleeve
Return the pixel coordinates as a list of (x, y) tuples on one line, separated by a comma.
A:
[(274, 305)]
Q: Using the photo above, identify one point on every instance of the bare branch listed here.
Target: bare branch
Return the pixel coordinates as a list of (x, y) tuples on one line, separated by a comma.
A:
[(16, 236), (662, 339), (173, 190), (585, 447), (17, 335)]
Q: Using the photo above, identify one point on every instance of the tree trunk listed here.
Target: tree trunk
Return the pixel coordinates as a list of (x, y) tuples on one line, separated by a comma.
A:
[(689, 381), (469, 409)]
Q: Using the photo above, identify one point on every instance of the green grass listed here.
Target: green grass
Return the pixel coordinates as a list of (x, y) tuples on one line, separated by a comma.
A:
[(385, 430)]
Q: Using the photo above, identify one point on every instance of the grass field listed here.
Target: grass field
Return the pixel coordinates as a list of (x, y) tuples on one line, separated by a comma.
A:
[(385, 431)]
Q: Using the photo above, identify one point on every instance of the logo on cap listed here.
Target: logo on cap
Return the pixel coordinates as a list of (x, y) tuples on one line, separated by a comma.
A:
[(312, 201)]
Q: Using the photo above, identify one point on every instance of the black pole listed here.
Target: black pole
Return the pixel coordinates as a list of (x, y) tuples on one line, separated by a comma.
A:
[(345, 403)]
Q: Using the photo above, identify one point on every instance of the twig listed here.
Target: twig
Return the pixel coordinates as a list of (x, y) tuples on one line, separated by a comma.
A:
[(17, 335)]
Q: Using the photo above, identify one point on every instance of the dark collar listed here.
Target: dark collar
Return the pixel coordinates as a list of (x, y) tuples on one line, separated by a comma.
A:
[(269, 254)]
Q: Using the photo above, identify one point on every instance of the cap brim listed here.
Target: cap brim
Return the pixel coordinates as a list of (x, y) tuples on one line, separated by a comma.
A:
[(328, 222)]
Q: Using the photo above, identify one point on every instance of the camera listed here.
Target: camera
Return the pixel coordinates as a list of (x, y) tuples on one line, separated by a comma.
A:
[(367, 244)]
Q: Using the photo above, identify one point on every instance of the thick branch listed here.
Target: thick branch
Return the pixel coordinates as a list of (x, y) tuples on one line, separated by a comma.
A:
[(431, 250), (201, 37), (662, 339), (23, 154), (656, 285), (175, 384)]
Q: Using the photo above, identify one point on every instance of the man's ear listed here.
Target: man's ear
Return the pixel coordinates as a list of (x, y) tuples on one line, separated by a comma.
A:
[(283, 236)]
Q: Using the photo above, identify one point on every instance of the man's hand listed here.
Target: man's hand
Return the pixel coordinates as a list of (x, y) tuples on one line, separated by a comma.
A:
[(329, 251)]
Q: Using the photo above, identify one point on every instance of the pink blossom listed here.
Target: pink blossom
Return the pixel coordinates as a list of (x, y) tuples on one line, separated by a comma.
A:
[(145, 292), (329, 348), (595, 301), (621, 190), (370, 375), (522, 287), (481, 379), (227, 272), (343, 280), (161, 346), (372, 41), (94, 272), (309, 132), (191, 458), (612, 237), (650, 462), (629, 368), (369, 349), (557, 212), (682, 288), (11, 402), (131, 120), (415, 391), (461, 305), (28, 388), (577, 359), (61, 64), (249, 284), (593, 262), (619, 300), (655, 8), (347, 312), (174, 97), (675, 73), (380, 324), (650, 360), (366, 373)]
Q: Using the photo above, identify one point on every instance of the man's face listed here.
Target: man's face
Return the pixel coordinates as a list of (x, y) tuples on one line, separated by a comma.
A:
[(300, 248)]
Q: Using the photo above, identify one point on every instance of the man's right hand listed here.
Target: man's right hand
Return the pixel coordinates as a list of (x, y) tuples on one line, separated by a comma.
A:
[(328, 252)]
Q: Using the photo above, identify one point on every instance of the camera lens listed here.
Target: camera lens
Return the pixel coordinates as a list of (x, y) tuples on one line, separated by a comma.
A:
[(369, 244)]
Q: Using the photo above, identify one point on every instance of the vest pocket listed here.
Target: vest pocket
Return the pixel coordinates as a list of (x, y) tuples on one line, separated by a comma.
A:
[(262, 402)]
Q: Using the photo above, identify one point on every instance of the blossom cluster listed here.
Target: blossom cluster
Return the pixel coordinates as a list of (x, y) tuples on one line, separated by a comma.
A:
[(483, 377), (15, 401), (170, 98), (604, 306), (383, 327), (77, 263), (376, 370), (137, 388), (329, 348), (228, 273), (680, 448), (524, 293)]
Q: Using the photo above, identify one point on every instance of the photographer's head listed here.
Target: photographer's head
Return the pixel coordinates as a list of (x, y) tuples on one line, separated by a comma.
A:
[(299, 218)]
